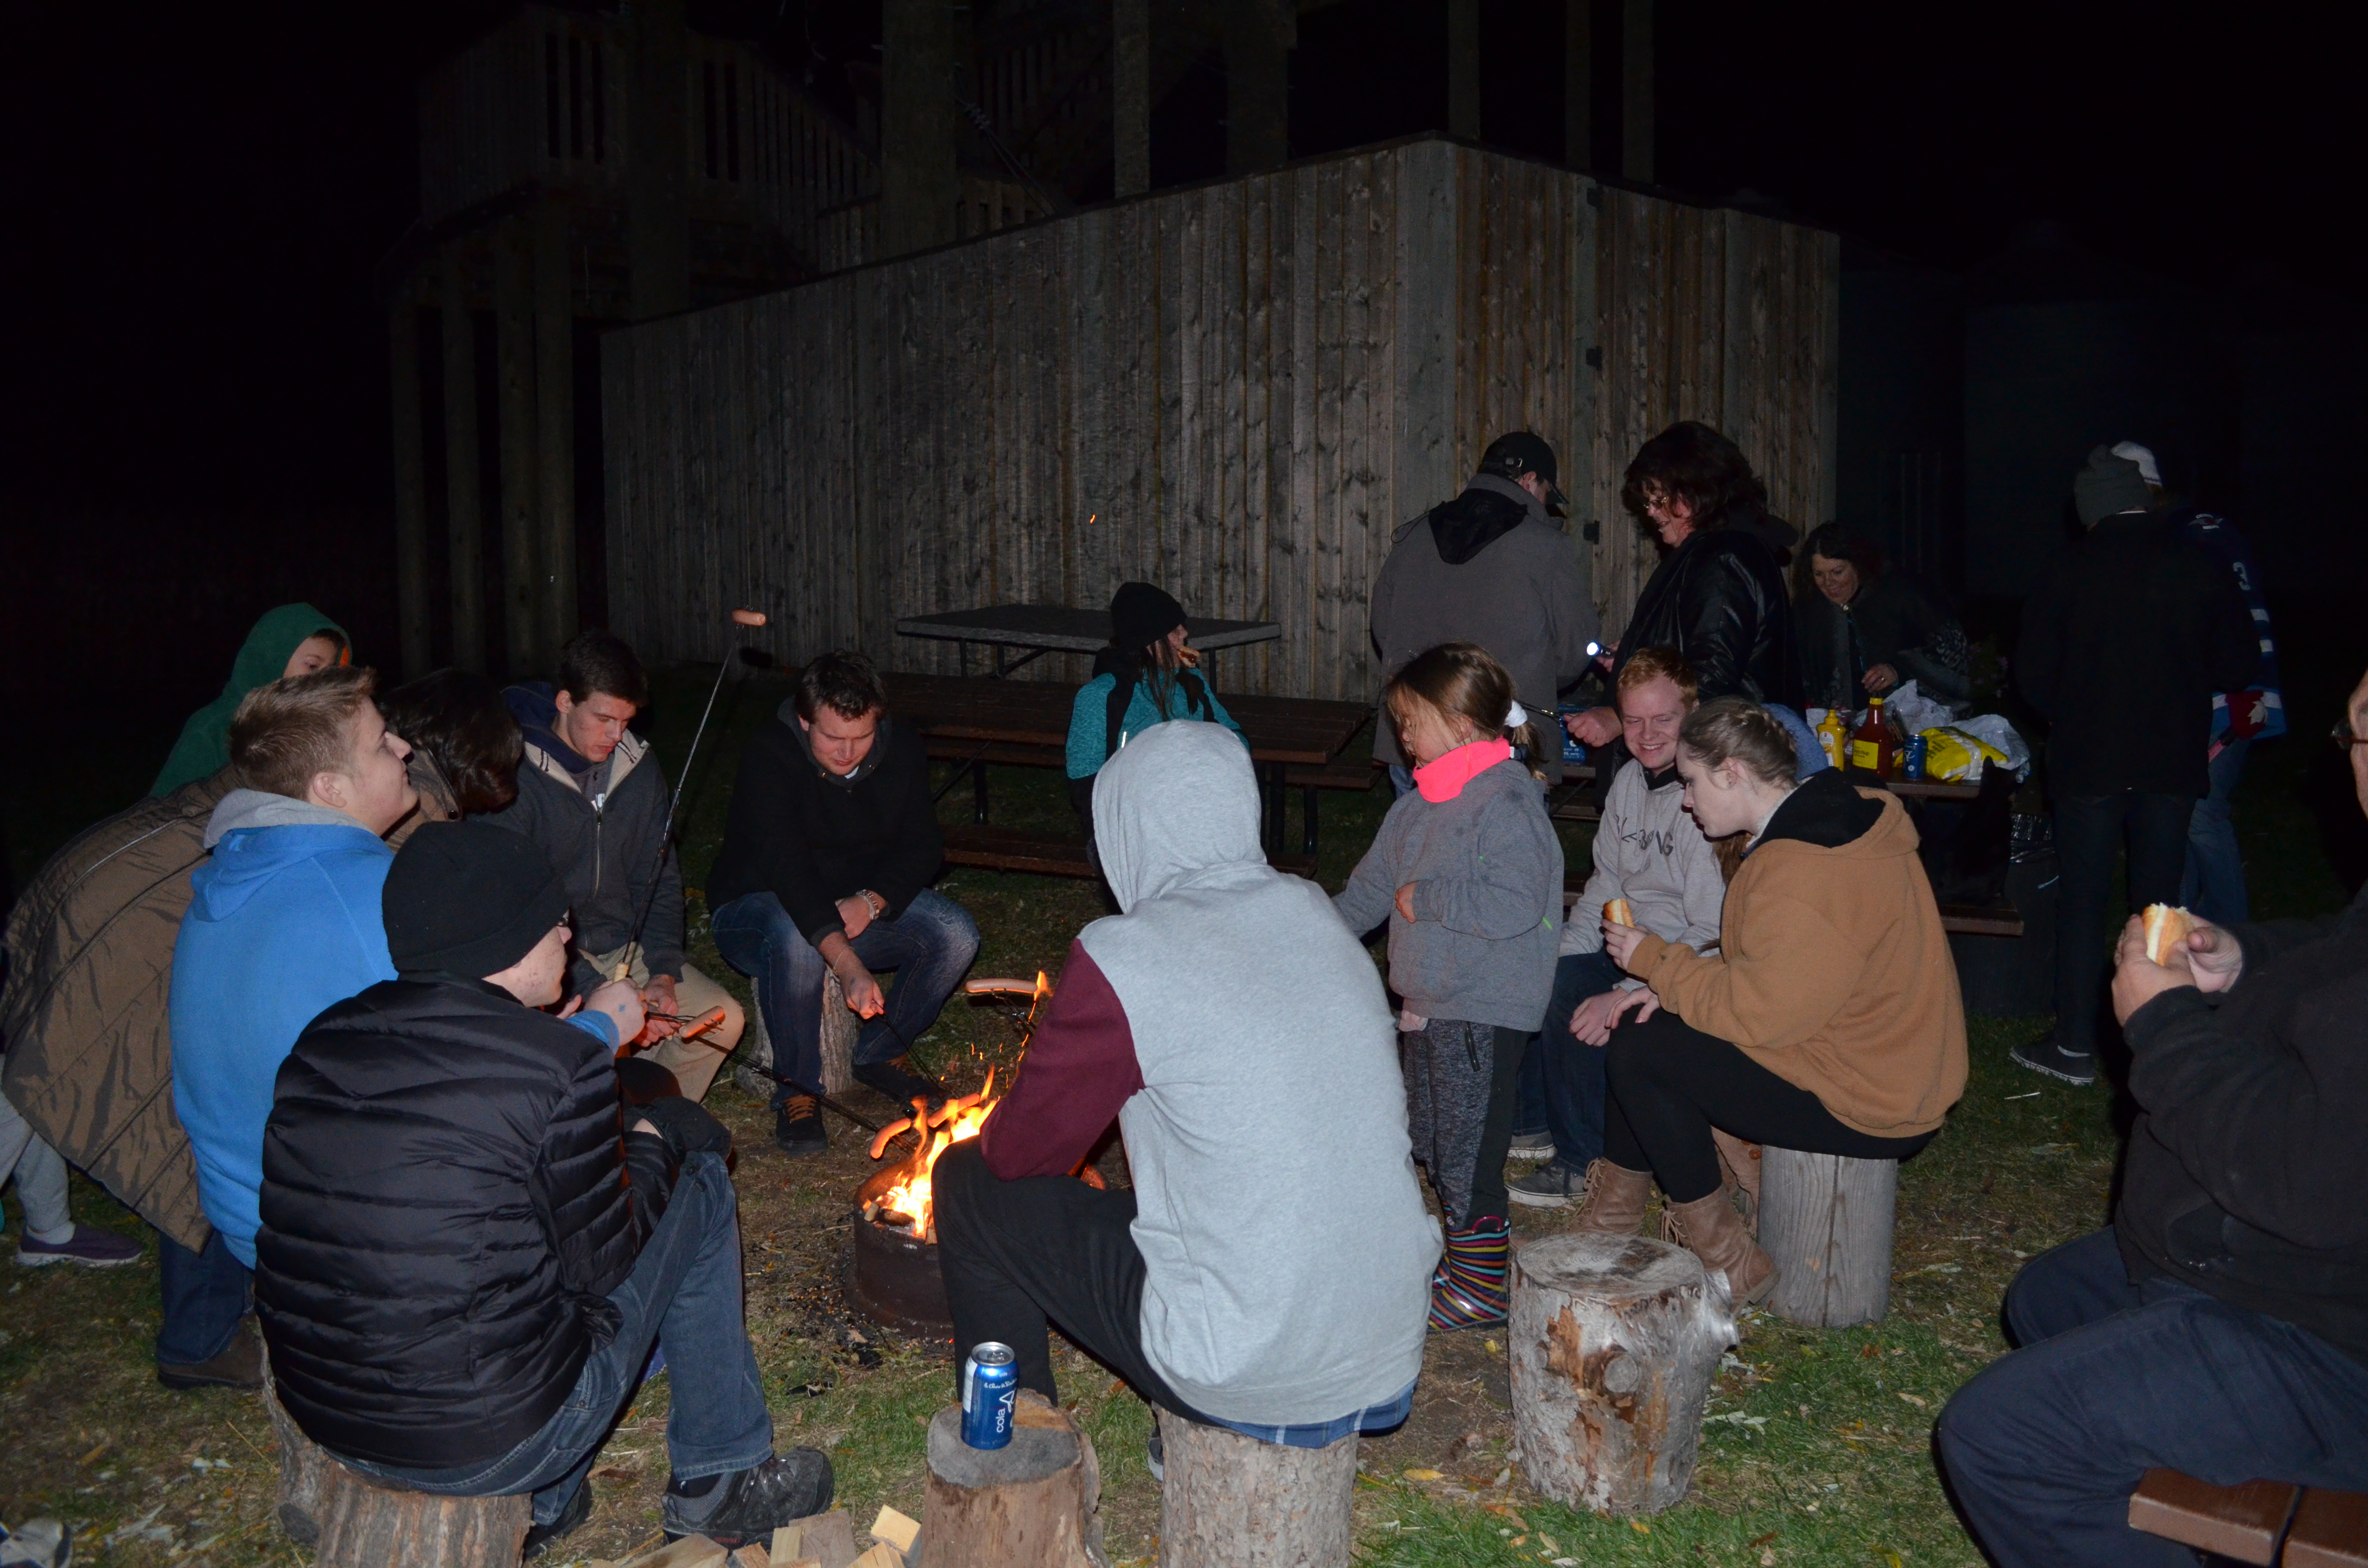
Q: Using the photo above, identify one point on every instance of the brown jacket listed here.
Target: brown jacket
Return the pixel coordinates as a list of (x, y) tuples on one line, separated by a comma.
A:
[(90, 1050), (1834, 973)]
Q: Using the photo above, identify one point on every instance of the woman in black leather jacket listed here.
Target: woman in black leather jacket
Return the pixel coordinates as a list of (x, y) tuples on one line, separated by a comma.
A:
[(1718, 597)]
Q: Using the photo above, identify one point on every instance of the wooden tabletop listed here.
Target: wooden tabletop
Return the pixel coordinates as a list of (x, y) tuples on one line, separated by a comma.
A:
[(1036, 713), (1067, 628)]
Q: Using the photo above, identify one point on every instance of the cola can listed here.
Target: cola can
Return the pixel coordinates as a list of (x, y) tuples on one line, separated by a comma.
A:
[(990, 1384)]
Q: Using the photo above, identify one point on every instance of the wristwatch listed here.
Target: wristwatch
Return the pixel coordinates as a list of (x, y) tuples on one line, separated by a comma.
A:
[(874, 901)]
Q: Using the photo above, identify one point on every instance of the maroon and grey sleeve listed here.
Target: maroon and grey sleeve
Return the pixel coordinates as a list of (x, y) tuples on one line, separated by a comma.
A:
[(1081, 1068)]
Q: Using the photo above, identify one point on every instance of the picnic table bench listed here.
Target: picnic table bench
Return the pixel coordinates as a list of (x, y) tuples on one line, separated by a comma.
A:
[(2261, 1522), (977, 722)]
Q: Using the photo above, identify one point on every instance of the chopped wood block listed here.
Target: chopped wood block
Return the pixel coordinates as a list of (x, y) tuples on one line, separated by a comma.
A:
[(881, 1556), (895, 1529), (690, 1551), (2331, 1530), (827, 1538), (784, 1547), (752, 1556), (2242, 1522)]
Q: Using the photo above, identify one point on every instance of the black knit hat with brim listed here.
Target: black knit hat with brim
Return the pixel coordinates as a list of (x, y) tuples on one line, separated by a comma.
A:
[(1141, 614), (469, 898)]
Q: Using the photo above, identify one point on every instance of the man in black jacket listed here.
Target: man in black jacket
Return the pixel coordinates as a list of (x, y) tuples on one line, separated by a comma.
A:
[(2220, 1326), (459, 1273), (827, 856), (591, 794), (2121, 650)]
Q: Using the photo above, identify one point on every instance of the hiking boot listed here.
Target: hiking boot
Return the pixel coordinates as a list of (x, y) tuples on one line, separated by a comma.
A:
[(238, 1366), (1472, 1288), (1530, 1146), (896, 1079), (1615, 1202), (1551, 1186), (571, 1519), (1712, 1229), (2077, 1067), (748, 1505), (798, 1128), (89, 1245), (1154, 1457)]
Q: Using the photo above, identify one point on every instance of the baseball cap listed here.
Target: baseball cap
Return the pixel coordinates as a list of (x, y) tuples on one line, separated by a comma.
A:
[(1509, 457)]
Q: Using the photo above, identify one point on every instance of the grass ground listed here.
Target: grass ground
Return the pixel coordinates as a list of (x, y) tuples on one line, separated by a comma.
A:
[(1817, 1451)]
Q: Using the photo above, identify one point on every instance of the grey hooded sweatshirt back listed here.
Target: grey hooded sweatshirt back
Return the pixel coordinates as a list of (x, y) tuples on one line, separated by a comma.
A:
[(1287, 1253)]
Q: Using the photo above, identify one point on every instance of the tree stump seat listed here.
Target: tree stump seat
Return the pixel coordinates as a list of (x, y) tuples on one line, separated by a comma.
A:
[(351, 1520), (755, 1071), (1037, 1500), (1826, 1221), (1232, 1501)]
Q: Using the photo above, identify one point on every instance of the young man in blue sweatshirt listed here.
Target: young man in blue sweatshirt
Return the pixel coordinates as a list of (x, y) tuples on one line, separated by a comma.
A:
[(282, 922)]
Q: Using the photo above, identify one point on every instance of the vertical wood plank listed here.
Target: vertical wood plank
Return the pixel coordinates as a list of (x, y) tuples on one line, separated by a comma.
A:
[(513, 368)]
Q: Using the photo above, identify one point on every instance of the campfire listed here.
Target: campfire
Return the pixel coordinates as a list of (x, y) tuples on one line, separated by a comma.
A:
[(906, 1204)]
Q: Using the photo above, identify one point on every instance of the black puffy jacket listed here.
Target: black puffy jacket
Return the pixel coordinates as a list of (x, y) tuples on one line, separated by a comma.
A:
[(445, 1208), (1719, 599)]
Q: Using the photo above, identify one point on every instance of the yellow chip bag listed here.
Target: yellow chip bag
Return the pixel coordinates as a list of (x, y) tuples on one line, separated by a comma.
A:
[(1956, 757)]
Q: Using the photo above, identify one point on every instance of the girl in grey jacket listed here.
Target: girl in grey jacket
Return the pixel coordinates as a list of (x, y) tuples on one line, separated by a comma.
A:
[(1467, 871)]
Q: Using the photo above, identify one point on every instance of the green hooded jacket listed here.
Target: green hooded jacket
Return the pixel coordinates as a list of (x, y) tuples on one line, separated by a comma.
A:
[(203, 749)]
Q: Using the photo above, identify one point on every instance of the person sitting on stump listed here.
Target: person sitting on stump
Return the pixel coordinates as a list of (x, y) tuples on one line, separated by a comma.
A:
[(1467, 872), (590, 792), (463, 1266), (2219, 1326), (828, 853), (1149, 674), (1829, 1020), (1649, 851), (1206, 1018)]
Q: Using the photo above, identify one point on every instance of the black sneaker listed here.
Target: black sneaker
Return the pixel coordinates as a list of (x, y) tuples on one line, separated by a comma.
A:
[(1551, 1186), (798, 1128), (2079, 1067), (897, 1079), (239, 1366), (749, 1505), (1530, 1146), (571, 1519)]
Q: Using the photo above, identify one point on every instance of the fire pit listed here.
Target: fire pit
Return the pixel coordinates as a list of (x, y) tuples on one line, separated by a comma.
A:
[(893, 1276)]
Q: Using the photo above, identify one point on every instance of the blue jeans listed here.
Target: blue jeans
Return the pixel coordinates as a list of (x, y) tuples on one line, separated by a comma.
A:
[(1572, 1071), (2213, 886), (205, 1294), (2044, 1448), (929, 946), (684, 1293)]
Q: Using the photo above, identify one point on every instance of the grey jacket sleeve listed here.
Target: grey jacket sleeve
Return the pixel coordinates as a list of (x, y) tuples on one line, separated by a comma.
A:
[(1372, 892), (1506, 892)]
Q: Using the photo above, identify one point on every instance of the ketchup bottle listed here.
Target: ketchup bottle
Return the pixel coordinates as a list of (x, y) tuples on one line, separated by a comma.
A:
[(1872, 748)]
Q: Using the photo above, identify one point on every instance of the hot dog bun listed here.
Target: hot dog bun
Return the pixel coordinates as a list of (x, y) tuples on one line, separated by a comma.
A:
[(2166, 926), (1619, 913)]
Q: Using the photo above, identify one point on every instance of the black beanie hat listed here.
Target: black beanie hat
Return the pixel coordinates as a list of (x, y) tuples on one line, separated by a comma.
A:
[(1142, 615), (469, 898)]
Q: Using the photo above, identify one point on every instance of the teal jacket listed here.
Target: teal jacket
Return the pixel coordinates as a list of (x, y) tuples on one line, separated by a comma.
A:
[(1090, 720)]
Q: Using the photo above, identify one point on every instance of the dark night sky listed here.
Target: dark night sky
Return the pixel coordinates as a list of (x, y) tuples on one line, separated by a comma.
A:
[(200, 194)]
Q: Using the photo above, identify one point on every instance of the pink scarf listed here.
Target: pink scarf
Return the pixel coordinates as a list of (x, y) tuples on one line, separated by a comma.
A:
[(1442, 780)]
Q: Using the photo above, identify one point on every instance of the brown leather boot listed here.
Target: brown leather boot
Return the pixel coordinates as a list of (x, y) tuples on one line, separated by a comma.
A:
[(1712, 1229), (1614, 1204)]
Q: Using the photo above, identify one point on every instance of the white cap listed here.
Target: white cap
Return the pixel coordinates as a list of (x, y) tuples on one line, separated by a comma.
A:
[(2148, 469)]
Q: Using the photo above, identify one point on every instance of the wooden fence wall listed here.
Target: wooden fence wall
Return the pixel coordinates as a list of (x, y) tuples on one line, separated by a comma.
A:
[(1239, 390)]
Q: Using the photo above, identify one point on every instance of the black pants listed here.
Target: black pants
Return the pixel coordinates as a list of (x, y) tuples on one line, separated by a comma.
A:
[(2089, 829), (2044, 1448), (1463, 1082), (1020, 1255), (1671, 1084)]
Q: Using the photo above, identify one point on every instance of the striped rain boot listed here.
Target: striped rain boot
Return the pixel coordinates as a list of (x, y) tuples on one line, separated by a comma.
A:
[(1473, 1288)]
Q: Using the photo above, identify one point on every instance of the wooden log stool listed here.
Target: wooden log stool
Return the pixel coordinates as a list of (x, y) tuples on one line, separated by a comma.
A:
[(1037, 1500), (1231, 1501), (1826, 1221), (351, 1520), (754, 1073), (1614, 1341)]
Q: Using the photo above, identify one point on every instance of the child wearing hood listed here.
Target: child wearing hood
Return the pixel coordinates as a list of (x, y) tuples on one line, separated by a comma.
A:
[(294, 639), (1467, 870)]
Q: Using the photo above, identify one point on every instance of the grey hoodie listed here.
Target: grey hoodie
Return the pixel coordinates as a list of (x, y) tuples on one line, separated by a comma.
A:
[(1648, 851), (260, 808), (1287, 1254), (1488, 902)]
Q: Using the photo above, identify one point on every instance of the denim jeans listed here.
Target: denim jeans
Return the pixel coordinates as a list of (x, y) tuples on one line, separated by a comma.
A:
[(929, 946), (1573, 1070), (205, 1294), (2043, 1448), (684, 1293), (2089, 833), (2213, 886), (40, 1177)]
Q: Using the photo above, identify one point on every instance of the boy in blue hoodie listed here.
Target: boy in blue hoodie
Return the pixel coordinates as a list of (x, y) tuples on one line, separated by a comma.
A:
[(283, 920)]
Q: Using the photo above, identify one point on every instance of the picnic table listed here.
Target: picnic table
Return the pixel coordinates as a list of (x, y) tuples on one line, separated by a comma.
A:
[(1060, 629), (978, 720)]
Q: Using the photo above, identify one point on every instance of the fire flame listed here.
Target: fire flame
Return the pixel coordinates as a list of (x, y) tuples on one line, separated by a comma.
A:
[(909, 1204)]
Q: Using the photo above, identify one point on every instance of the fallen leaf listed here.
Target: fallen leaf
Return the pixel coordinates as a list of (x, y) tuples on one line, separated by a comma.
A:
[(1919, 1403), (1422, 1475), (1640, 1527)]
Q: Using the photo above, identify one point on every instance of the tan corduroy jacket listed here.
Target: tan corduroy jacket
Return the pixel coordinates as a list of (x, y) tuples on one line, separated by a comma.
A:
[(1835, 975)]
